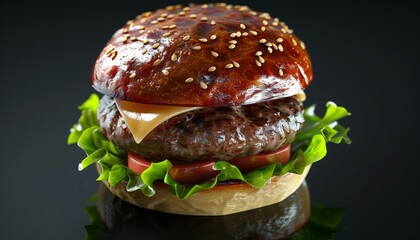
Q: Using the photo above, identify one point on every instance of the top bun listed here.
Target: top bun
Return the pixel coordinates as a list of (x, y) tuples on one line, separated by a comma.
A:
[(203, 55)]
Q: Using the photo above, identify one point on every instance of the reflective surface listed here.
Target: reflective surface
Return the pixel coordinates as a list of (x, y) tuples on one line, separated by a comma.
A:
[(112, 218), (277, 221)]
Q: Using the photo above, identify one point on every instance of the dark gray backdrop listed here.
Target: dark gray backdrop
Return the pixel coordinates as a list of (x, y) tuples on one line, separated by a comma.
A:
[(365, 57)]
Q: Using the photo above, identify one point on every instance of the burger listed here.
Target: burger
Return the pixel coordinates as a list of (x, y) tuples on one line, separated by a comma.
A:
[(202, 111)]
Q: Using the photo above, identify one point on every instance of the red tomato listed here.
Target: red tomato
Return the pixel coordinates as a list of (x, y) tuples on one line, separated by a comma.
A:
[(249, 163), (198, 172)]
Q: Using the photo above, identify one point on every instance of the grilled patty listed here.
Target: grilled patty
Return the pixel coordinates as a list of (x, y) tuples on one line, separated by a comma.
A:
[(219, 133)]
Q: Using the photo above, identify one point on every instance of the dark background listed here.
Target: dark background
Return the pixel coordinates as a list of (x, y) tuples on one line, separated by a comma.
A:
[(365, 57)]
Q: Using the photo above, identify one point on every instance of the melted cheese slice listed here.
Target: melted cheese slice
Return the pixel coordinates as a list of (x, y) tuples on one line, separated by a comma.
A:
[(141, 119)]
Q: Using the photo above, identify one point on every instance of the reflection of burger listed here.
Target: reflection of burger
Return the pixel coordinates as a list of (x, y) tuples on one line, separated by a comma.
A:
[(116, 219), (201, 106)]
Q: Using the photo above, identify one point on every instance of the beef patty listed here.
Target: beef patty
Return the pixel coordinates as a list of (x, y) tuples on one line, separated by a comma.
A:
[(216, 133)]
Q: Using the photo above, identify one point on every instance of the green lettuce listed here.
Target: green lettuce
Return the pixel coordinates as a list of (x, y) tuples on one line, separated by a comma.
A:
[(308, 148)]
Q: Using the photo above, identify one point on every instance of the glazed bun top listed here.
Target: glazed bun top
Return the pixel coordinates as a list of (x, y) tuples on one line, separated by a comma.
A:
[(203, 55)]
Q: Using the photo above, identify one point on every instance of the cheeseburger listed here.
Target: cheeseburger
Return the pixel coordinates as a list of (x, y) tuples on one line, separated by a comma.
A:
[(202, 111)]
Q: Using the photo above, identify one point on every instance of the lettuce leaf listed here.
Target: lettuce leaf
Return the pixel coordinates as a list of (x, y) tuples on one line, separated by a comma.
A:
[(308, 148)]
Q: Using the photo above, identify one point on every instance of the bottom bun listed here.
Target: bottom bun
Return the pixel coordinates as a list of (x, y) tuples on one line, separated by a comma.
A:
[(220, 200)]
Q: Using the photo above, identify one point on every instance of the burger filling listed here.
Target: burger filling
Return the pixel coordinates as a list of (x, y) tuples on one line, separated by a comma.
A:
[(217, 133), (250, 143)]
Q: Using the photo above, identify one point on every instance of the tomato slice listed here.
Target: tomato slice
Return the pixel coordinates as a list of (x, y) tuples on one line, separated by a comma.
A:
[(249, 163), (198, 172), (183, 173)]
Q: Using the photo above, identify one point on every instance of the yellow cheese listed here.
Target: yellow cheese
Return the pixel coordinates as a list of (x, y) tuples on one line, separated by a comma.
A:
[(141, 119), (300, 96)]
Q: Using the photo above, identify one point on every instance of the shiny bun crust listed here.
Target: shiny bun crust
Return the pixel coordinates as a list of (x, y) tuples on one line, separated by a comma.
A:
[(203, 55), (220, 200)]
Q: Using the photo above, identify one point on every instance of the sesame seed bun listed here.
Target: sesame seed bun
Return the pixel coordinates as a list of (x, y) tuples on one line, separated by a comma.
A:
[(203, 55), (220, 200)]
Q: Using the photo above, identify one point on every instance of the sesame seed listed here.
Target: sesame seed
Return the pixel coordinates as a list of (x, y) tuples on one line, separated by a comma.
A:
[(261, 59), (269, 44), (242, 26), (253, 13), (212, 69), (132, 75), (165, 72), (236, 64), (174, 57), (125, 39), (281, 48), (145, 41), (232, 35), (112, 48), (215, 54), (196, 48), (205, 6), (154, 22), (253, 33), (203, 85), (212, 37), (165, 27), (156, 45), (134, 39), (229, 65), (161, 19), (233, 42), (263, 40), (263, 29), (193, 16), (129, 22), (281, 72), (270, 50), (172, 26), (265, 22), (279, 40), (204, 19), (203, 40), (146, 14), (302, 45), (189, 80), (232, 46), (294, 42), (142, 27), (144, 51), (170, 16), (275, 46), (238, 34), (125, 30), (181, 14), (283, 30), (167, 34), (186, 9), (186, 38), (275, 24), (244, 34), (164, 15), (170, 8), (259, 53), (113, 55), (258, 63), (243, 8), (157, 62), (212, 22), (265, 16)]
